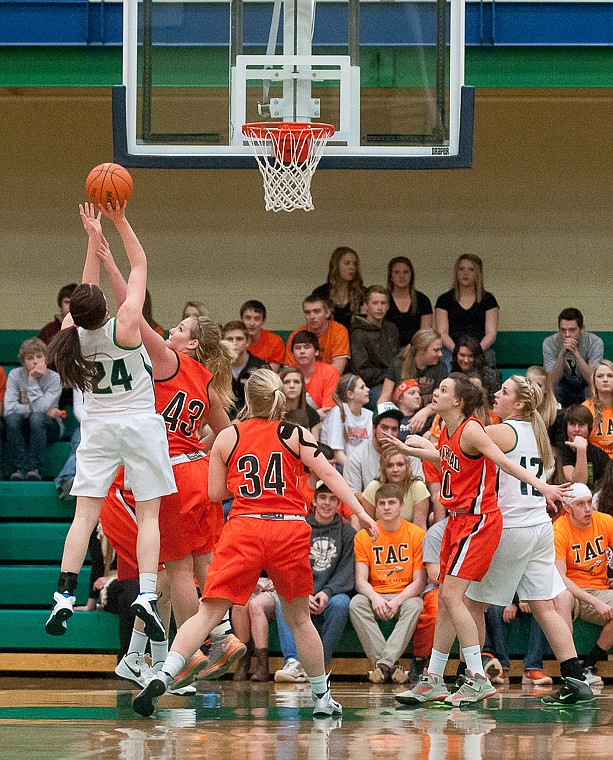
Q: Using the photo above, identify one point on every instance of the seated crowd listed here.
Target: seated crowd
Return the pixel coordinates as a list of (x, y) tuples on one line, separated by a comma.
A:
[(363, 365)]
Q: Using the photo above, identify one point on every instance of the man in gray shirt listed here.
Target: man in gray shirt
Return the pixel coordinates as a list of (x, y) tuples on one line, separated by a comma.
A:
[(570, 356)]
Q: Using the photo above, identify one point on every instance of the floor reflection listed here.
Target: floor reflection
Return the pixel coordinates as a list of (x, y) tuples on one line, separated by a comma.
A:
[(264, 721)]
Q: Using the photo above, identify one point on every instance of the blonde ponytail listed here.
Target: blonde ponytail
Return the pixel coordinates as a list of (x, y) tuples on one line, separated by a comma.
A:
[(216, 354), (264, 396), (531, 396), (420, 342)]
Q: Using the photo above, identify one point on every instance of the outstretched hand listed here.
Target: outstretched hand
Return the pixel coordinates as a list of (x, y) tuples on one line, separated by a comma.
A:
[(91, 222), (116, 213), (554, 494), (369, 524)]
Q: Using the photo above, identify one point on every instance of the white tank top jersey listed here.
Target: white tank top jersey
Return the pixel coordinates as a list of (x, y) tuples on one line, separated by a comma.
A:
[(125, 383), (522, 505)]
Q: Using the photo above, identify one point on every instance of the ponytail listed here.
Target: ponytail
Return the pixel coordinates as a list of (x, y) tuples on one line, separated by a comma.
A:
[(74, 369), (216, 354), (419, 342), (529, 393), (264, 396), (344, 385)]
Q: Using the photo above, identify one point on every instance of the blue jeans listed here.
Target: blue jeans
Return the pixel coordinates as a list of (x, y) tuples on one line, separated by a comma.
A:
[(330, 624), (496, 639), (27, 439), (373, 397), (69, 470)]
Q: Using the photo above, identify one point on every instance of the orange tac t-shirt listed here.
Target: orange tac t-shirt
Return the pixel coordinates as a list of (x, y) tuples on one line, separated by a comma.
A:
[(393, 558), (602, 433), (322, 385), (269, 347), (333, 343), (585, 551)]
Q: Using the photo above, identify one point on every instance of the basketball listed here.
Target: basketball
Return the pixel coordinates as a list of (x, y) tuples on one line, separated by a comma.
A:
[(108, 183)]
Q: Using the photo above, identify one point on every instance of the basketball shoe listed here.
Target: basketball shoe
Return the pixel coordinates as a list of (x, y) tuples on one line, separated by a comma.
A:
[(62, 610), (430, 688)]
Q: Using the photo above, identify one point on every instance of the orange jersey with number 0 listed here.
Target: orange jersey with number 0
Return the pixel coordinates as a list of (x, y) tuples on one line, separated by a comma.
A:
[(468, 484)]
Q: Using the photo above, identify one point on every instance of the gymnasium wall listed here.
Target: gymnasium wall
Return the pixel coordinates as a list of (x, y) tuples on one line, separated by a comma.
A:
[(537, 206)]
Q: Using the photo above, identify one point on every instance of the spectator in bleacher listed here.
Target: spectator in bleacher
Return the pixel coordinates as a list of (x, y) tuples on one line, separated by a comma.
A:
[(51, 329), (582, 462), (237, 334), (264, 344), (349, 423), (600, 405), (194, 309), (408, 399), (333, 337), (297, 410), (421, 361), (363, 463), (374, 342), (344, 288), (320, 378), (2, 392), (583, 539), (251, 622), (467, 310), (469, 356), (389, 581), (64, 480), (148, 314), (31, 411), (333, 564), (396, 469), (409, 309), (603, 500), (570, 355), (549, 408)]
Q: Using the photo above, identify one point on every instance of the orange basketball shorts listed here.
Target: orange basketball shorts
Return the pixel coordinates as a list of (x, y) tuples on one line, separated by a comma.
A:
[(190, 523), (469, 543), (249, 545)]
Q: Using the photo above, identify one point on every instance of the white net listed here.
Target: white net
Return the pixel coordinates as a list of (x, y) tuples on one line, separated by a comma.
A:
[(287, 154)]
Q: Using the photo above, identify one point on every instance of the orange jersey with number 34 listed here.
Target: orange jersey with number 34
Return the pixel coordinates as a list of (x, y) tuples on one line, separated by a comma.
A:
[(263, 472)]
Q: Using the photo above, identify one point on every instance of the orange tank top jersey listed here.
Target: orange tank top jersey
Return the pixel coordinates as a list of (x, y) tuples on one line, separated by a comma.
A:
[(468, 484), (263, 473), (183, 400)]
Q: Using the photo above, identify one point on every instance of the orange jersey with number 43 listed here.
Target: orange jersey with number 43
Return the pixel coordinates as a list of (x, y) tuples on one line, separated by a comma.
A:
[(183, 401)]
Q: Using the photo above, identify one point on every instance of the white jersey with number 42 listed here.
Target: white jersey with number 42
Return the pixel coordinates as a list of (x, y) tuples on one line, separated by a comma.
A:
[(124, 383), (522, 505)]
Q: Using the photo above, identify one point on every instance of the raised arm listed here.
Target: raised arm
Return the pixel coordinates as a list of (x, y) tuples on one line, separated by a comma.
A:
[(415, 446), (129, 314), (91, 223)]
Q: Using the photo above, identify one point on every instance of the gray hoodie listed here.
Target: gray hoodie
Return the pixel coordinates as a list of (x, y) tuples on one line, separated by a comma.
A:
[(332, 556)]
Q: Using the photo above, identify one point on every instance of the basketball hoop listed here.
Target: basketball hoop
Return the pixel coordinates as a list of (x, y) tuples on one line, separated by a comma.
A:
[(287, 153)]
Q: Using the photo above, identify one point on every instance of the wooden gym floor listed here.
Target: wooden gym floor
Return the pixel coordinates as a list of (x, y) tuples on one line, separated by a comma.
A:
[(77, 719)]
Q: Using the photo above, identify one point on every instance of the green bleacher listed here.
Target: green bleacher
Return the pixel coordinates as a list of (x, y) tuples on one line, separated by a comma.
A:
[(34, 522)]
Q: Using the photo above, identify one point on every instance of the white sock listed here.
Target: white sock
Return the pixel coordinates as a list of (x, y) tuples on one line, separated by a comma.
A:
[(147, 582), (319, 684), (159, 652), (138, 642), (472, 657), (438, 663), (173, 664), (224, 627)]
